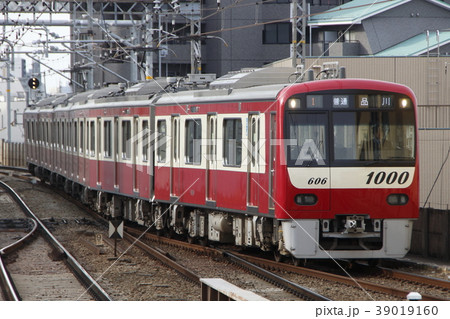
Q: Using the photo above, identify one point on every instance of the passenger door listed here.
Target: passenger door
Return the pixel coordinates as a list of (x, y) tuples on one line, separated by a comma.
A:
[(175, 156), (253, 160), (211, 160)]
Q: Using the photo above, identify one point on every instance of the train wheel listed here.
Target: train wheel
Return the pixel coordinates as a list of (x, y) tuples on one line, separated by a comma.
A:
[(191, 240), (298, 262), (277, 256), (373, 262), (203, 241)]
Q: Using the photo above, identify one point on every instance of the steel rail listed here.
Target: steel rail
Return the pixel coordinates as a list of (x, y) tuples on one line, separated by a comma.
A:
[(337, 278), (85, 278), (264, 274), (397, 274), (9, 290), (14, 168), (282, 282), (163, 258), (12, 247)]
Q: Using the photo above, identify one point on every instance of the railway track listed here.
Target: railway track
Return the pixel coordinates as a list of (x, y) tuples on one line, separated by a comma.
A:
[(9, 289), (400, 294), (82, 275), (284, 284)]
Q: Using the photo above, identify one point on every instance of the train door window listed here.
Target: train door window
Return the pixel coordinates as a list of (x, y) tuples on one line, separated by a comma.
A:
[(52, 129), (107, 146), (28, 131), (161, 127), (32, 131), (81, 137), (69, 141), (212, 143), (92, 135), (63, 135), (58, 134), (49, 133), (232, 142), (254, 140), (193, 148), (145, 140), (175, 139), (75, 136), (126, 139), (44, 128)]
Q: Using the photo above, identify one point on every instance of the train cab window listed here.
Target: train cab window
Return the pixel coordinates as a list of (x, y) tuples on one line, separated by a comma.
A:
[(306, 139), (92, 138), (193, 147), (126, 139), (232, 142), (145, 140), (107, 146), (373, 135), (161, 127)]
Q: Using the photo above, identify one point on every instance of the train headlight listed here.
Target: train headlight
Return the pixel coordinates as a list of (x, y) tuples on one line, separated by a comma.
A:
[(294, 104), (405, 103), (397, 199), (306, 199)]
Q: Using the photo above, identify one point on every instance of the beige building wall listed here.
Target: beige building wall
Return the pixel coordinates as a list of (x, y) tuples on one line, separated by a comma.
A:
[(428, 77)]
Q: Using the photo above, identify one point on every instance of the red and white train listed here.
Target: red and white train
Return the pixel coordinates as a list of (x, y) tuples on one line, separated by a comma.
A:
[(317, 169)]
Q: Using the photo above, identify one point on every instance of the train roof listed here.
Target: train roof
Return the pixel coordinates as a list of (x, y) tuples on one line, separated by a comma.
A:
[(259, 93), (244, 85), (247, 78)]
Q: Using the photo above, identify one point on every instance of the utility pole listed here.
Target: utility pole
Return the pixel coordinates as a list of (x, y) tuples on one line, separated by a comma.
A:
[(9, 66), (149, 44), (299, 21)]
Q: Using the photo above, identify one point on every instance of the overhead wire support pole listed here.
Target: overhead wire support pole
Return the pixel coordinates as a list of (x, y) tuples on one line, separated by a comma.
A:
[(99, 65), (298, 17), (9, 67)]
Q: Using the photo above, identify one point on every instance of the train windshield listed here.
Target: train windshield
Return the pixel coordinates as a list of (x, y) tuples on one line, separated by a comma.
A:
[(322, 132)]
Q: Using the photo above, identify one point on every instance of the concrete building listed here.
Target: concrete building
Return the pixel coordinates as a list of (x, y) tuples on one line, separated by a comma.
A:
[(384, 28), (18, 101), (244, 34)]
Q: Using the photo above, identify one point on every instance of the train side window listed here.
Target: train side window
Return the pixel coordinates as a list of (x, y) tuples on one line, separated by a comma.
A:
[(92, 132), (145, 140), (232, 142), (193, 147), (126, 139), (107, 149), (161, 141)]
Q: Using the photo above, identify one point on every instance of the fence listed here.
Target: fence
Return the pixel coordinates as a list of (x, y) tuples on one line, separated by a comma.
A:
[(430, 236), (12, 154)]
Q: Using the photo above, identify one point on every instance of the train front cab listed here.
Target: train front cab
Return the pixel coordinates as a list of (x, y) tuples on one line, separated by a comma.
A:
[(347, 177)]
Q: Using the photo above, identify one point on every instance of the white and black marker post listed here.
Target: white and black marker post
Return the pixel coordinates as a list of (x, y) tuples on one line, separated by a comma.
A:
[(115, 231)]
